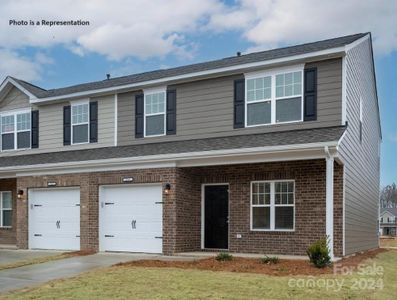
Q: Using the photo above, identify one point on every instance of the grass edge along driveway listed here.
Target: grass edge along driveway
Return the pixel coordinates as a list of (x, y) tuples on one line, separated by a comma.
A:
[(123, 282)]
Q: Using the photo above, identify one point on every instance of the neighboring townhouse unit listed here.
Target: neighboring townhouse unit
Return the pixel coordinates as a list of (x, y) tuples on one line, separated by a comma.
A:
[(388, 221), (259, 153)]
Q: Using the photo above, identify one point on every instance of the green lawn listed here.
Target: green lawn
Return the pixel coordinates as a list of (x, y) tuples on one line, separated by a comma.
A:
[(170, 283)]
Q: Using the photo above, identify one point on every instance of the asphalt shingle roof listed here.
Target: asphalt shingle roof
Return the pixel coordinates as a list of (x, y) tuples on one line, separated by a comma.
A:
[(205, 66), (392, 210), (318, 135)]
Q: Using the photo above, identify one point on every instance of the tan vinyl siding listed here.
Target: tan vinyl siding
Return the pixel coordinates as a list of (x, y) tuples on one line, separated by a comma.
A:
[(15, 99), (205, 108), (361, 159), (51, 127)]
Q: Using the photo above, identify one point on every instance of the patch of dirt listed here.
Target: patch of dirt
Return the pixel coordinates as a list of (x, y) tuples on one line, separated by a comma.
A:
[(79, 253), (249, 265), (356, 259)]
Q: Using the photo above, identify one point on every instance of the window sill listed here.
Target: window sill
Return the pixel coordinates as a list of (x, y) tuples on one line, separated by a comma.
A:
[(153, 136), (272, 230), (12, 150), (273, 124), (5, 227)]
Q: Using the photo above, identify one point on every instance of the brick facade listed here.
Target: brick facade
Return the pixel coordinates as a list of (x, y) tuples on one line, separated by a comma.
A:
[(8, 235), (182, 205), (309, 179)]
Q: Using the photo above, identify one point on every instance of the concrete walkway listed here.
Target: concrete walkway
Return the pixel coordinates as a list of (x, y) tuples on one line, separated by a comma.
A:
[(32, 275)]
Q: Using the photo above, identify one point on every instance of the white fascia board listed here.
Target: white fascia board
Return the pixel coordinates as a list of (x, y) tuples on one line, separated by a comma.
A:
[(116, 163), (18, 86), (163, 81), (99, 168)]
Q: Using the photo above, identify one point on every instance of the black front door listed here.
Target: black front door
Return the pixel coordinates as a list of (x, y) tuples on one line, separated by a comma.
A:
[(216, 211)]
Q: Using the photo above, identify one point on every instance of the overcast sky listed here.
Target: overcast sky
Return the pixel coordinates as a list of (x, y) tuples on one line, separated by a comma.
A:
[(126, 37)]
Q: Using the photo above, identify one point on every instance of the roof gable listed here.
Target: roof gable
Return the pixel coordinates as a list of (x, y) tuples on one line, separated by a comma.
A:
[(11, 82), (390, 210)]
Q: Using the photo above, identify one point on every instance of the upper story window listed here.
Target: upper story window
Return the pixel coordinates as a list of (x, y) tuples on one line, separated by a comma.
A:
[(80, 123), (289, 97), (155, 118), (16, 130), (5, 209), (274, 97), (259, 94)]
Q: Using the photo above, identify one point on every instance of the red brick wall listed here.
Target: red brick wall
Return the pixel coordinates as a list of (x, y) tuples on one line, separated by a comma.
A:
[(188, 211), (309, 179), (8, 235), (89, 186), (182, 206)]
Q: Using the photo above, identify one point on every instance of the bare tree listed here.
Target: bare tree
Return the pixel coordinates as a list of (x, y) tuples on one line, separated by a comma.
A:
[(388, 196)]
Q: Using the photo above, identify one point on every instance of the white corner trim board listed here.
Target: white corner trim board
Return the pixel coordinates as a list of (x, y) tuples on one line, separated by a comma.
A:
[(344, 89), (116, 100)]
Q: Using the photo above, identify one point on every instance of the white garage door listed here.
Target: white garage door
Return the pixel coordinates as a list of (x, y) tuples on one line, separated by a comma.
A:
[(130, 218), (54, 219)]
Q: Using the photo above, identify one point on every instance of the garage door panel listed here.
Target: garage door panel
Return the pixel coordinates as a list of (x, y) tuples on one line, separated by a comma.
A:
[(147, 227), (131, 218), (63, 242), (54, 219), (127, 219), (125, 244), (52, 227)]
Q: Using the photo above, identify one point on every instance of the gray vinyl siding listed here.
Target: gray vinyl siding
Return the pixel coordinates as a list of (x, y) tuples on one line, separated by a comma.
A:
[(361, 159), (51, 128), (205, 108), (15, 99)]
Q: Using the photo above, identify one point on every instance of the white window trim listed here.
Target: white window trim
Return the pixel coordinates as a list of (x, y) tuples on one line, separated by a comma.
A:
[(272, 206), (1, 208), (15, 113), (77, 103), (272, 73), (150, 92)]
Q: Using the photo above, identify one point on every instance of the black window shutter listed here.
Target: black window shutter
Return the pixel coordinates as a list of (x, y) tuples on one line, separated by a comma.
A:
[(93, 122), (66, 125), (139, 116), (171, 112), (310, 94), (35, 129), (239, 98)]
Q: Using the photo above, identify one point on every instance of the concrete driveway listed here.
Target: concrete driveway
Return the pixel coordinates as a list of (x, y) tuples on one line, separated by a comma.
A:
[(16, 278)]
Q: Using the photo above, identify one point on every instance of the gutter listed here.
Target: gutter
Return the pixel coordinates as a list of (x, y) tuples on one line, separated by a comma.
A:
[(173, 158)]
